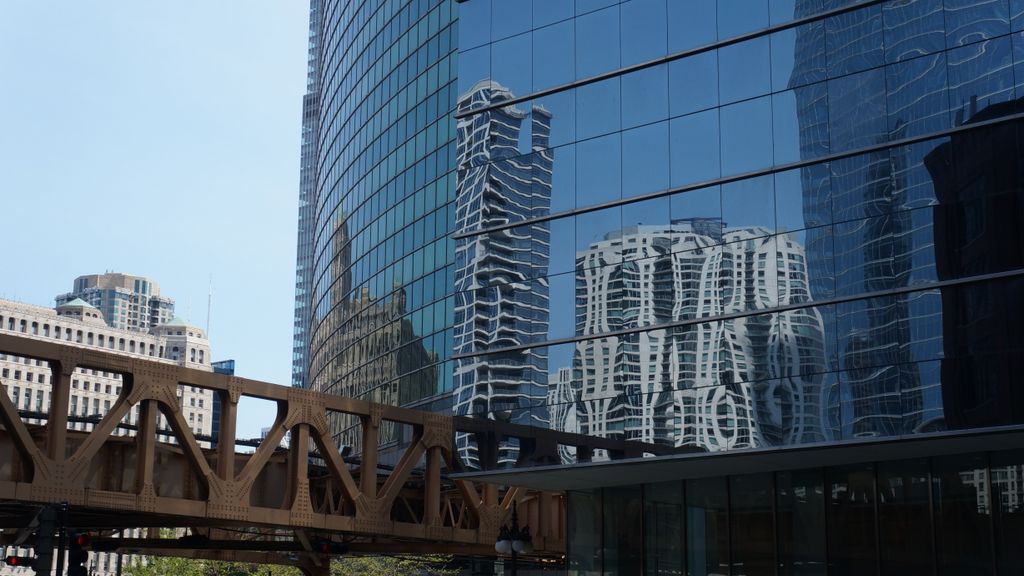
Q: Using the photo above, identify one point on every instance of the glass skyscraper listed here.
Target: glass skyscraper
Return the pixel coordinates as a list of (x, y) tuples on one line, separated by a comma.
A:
[(779, 236), (375, 287)]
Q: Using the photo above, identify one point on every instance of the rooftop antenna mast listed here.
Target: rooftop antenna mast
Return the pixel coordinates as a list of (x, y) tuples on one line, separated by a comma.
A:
[(209, 305)]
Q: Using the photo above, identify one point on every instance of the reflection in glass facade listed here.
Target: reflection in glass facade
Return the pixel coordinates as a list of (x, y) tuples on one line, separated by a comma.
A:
[(492, 309), (715, 225), (668, 235), (377, 268)]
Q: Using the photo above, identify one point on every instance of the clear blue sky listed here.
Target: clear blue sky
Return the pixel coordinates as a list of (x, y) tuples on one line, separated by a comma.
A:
[(160, 139)]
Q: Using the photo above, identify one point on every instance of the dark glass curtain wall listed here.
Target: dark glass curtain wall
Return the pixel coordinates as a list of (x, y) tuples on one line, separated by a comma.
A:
[(952, 515)]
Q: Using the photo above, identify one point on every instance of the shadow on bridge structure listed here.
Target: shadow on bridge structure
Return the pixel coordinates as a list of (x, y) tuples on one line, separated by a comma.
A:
[(274, 505)]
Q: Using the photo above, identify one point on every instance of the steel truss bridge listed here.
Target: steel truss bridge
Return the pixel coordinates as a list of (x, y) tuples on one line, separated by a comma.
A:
[(271, 505)]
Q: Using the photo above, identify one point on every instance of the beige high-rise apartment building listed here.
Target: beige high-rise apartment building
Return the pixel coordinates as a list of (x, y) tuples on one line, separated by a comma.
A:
[(125, 301)]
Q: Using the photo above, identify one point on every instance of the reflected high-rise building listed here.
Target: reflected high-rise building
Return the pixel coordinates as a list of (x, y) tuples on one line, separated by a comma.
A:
[(870, 247), (743, 383), (504, 168)]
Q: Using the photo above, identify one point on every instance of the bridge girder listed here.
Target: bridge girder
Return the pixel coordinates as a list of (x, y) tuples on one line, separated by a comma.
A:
[(112, 481)]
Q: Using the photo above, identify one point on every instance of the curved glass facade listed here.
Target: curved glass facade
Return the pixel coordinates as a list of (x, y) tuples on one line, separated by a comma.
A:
[(712, 224), (382, 204), (731, 224)]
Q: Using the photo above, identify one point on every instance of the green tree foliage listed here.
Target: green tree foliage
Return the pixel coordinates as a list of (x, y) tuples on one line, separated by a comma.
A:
[(428, 565), (165, 566)]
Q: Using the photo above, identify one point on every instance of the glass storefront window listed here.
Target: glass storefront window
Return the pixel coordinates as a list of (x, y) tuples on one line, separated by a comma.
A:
[(707, 527), (663, 529), (752, 525), (852, 544), (963, 515), (623, 531), (800, 516), (905, 538)]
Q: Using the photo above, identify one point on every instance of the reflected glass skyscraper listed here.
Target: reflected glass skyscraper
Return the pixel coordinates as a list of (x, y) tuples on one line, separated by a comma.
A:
[(779, 237)]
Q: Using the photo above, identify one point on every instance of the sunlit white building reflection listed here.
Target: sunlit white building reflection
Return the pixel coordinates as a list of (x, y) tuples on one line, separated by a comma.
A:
[(736, 383)]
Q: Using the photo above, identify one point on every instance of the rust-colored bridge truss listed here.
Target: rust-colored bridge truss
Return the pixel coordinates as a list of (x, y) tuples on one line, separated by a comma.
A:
[(267, 506)]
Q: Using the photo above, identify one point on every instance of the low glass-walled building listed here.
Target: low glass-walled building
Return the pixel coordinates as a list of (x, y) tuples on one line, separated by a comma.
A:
[(959, 515)]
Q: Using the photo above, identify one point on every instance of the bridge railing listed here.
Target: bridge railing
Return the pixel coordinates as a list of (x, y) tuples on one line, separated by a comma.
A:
[(129, 480)]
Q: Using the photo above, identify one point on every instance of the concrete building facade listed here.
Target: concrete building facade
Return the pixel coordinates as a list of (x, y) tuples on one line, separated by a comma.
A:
[(27, 382)]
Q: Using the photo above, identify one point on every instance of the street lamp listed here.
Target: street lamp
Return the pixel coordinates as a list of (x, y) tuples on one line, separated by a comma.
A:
[(514, 540)]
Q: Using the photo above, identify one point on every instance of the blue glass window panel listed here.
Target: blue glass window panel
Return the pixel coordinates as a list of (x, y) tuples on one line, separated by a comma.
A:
[(744, 70), (595, 227), (980, 75), (746, 136), (857, 113), (692, 23), (550, 11), (798, 56), (510, 64), (699, 203), (749, 203), (645, 164), (737, 17), (553, 56), (1018, 65), (862, 186), (644, 30), (645, 96), (652, 212), (562, 309), (802, 198), (1017, 15), (914, 186), (509, 18), (970, 21), (915, 241), (563, 239), (562, 106), (694, 148), (474, 66), (836, 4), (854, 41), (917, 99), (598, 170), (563, 178), (800, 123), (597, 42), (922, 336), (597, 108), (693, 83), (869, 336), (584, 6), (474, 24), (923, 408), (787, 10), (864, 256), (913, 28), (870, 406), (819, 250)]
